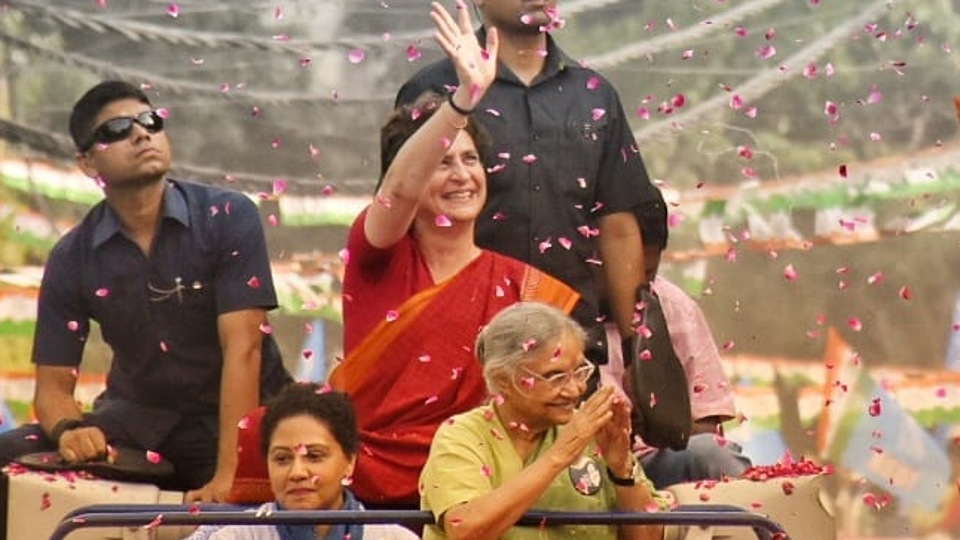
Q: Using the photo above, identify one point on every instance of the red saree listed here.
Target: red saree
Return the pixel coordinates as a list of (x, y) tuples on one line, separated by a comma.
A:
[(412, 372)]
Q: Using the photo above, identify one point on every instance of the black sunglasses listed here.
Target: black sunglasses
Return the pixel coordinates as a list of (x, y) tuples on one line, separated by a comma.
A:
[(119, 128)]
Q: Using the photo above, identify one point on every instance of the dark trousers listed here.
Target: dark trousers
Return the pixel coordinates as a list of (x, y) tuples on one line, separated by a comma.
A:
[(191, 447)]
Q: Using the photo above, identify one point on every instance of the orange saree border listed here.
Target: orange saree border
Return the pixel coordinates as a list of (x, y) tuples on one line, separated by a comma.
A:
[(350, 373)]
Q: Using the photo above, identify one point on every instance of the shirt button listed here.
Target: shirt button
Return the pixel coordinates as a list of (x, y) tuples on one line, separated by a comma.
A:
[(536, 187)]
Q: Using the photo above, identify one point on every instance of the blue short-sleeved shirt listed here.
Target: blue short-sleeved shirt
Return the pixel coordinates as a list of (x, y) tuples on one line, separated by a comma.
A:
[(159, 312)]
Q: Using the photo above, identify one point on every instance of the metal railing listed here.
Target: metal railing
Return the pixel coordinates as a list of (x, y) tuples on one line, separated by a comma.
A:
[(154, 515)]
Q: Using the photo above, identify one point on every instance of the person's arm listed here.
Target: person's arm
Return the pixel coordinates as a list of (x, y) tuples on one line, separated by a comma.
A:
[(614, 442), (404, 183), (492, 514), (57, 409), (241, 339), (621, 250)]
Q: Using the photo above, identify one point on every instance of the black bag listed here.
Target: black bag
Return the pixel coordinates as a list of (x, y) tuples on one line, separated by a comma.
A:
[(661, 397)]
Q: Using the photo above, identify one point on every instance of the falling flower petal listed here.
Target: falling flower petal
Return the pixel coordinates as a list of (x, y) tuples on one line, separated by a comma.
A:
[(790, 273), (593, 83), (854, 324), (173, 10), (905, 292), (442, 221), (153, 457), (253, 282), (766, 52), (565, 243), (392, 315), (355, 56), (102, 292), (545, 245), (875, 408), (413, 53)]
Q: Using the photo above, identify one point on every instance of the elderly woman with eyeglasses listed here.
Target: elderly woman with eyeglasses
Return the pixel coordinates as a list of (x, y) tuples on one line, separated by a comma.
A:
[(535, 446)]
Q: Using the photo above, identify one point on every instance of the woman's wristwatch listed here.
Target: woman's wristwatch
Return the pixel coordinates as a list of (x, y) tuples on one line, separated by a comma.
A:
[(629, 481)]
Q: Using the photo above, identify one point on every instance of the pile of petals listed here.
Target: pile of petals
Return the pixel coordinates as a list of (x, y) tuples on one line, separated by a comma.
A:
[(787, 467)]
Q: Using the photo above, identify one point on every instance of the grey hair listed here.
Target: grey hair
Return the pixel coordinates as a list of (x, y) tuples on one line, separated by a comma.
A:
[(521, 333)]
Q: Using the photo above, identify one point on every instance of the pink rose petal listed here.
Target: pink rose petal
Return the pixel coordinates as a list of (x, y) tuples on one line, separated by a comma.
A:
[(355, 56), (413, 53), (854, 324)]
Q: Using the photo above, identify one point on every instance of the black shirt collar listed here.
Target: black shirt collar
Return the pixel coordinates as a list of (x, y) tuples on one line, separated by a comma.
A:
[(557, 62)]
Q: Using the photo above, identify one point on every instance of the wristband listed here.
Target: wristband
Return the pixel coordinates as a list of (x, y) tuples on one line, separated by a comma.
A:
[(64, 426), (459, 109), (630, 481)]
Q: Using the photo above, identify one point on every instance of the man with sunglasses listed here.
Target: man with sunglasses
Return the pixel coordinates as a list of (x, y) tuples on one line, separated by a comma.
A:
[(177, 277)]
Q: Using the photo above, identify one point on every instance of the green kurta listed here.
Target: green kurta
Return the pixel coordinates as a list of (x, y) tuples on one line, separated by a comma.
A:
[(472, 455)]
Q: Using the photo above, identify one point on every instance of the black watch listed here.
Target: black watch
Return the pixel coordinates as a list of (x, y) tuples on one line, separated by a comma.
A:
[(630, 481), (64, 426)]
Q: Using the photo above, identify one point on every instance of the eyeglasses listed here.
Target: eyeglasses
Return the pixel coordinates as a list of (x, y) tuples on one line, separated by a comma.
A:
[(119, 128), (557, 381)]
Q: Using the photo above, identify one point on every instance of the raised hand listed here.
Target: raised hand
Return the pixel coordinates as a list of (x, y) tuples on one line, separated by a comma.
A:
[(613, 438), (476, 67), (593, 414)]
